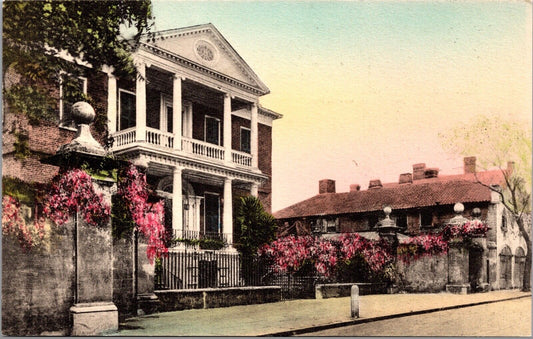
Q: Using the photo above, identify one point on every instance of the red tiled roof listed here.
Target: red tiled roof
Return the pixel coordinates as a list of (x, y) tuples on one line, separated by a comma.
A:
[(424, 192)]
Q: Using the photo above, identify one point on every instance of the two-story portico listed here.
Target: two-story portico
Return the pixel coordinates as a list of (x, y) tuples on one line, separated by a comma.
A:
[(192, 117)]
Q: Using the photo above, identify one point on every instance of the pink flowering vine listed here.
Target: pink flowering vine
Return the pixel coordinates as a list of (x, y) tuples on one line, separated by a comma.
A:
[(71, 192), (148, 217), (290, 254), (470, 228), (422, 245), (376, 253), (325, 257), (13, 223)]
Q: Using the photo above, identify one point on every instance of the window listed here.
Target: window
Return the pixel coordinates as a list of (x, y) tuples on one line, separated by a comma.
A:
[(126, 109), (504, 223), (327, 225), (331, 225), (401, 220), (70, 93), (245, 140), (426, 218), (166, 119), (212, 130)]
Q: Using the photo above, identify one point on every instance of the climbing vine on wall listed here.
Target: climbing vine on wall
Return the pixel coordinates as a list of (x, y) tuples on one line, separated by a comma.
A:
[(147, 217), (14, 223), (72, 192)]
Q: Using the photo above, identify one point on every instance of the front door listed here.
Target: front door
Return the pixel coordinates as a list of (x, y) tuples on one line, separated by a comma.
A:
[(212, 213)]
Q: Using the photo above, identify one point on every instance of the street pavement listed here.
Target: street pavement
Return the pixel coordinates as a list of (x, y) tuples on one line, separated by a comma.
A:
[(301, 316), (500, 319)]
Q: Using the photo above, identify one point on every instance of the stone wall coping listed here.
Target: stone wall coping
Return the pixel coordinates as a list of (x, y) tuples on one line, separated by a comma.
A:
[(221, 289), (93, 307), (348, 284)]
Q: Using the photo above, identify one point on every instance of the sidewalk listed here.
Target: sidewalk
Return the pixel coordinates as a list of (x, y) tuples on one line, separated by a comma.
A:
[(299, 316)]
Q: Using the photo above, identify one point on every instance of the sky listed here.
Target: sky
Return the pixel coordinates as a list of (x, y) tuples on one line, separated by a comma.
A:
[(365, 87)]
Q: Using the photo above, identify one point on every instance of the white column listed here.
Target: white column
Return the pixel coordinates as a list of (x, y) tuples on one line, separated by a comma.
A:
[(176, 111), (254, 190), (227, 128), (111, 102), (227, 221), (177, 203), (140, 102), (254, 136)]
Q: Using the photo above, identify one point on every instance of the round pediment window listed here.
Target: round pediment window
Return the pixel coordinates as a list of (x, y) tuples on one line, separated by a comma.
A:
[(206, 51)]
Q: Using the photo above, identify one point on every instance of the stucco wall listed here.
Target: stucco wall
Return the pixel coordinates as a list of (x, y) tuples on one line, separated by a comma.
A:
[(37, 285), (426, 274)]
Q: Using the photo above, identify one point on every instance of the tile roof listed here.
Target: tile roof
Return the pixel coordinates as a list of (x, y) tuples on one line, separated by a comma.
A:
[(442, 190)]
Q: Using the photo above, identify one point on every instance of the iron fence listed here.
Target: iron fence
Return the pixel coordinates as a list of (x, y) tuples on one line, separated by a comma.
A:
[(211, 269)]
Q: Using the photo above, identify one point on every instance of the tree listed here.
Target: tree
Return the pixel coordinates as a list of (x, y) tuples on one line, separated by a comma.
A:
[(44, 39), (254, 227), (497, 143)]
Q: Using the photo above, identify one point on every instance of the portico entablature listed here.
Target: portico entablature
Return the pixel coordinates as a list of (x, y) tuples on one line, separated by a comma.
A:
[(160, 164)]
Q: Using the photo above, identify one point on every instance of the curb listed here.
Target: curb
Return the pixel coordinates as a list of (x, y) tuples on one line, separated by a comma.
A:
[(378, 318)]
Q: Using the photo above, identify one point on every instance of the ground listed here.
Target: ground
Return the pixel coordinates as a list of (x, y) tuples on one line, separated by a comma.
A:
[(506, 318)]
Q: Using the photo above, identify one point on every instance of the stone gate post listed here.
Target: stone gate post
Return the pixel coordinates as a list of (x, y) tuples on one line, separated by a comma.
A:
[(93, 311)]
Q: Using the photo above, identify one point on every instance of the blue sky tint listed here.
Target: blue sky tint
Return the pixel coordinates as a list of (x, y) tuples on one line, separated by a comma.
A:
[(371, 81)]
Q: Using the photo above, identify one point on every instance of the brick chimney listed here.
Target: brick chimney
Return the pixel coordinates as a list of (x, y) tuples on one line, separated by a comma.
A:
[(469, 164), (406, 178), (326, 186), (355, 187), (418, 171), (375, 184)]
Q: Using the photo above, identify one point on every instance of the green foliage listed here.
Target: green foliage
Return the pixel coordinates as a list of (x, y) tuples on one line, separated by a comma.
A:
[(26, 193), (36, 103), (253, 226), (37, 33), (122, 223), (494, 142), (22, 147), (204, 243)]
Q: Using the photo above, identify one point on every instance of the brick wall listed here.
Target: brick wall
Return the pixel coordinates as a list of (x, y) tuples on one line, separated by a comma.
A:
[(236, 124), (265, 164), (44, 139)]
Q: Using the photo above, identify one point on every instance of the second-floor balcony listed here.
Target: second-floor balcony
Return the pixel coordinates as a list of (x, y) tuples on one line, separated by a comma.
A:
[(188, 146)]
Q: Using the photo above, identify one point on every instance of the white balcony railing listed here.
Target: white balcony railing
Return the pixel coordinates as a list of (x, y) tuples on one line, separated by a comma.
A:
[(202, 148), (192, 146), (124, 137), (159, 138), (241, 158)]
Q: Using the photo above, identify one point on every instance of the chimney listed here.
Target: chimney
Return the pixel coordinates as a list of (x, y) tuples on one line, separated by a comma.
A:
[(375, 184), (355, 188), (431, 172), (469, 164), (406, 178), (418, 171), (326, 186)]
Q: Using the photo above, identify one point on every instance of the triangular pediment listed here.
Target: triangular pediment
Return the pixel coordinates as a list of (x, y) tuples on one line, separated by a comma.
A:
[(205, 46)]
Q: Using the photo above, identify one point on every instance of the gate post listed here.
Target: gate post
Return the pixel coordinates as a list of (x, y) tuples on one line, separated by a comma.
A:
[(93, 312)]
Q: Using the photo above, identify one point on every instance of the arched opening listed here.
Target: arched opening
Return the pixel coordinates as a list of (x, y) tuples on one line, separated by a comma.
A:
[(505, 268), (475, 268), (519, 266)]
